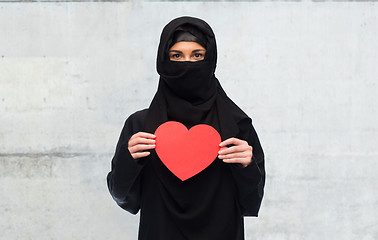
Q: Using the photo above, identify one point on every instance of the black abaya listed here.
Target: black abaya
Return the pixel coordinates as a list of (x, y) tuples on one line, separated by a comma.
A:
[(208, 206), (211, 204)]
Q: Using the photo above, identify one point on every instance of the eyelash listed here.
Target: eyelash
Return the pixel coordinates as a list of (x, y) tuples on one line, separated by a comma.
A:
[(178, 55)]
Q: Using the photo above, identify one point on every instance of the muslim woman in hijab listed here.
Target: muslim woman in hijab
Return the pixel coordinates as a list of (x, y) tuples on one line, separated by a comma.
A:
[(211, 204)]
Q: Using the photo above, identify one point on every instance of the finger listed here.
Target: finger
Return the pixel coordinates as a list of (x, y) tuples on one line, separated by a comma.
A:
[(242, 161), (145, 135), (140, 155), (235, 160), (234, 155), (141, 135), (141, 148), (222, 148), (235, 149), (135, 140), (141, 141), (232, 141)]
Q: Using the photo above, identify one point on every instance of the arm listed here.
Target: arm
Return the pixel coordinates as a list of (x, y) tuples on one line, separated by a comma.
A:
[(124, 178), (250, 179)]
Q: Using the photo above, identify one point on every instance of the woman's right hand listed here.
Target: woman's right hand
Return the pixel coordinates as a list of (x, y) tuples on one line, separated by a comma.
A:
[(140, 143)]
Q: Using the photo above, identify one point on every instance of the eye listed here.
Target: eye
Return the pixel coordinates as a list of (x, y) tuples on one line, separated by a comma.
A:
[(198, 56), (174, 56)]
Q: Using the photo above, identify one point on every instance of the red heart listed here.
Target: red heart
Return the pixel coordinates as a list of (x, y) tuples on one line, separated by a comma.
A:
[(186, 153)]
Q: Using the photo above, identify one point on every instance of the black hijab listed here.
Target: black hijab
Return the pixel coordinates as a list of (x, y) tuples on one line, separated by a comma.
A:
[(189, 92), (206, 206)]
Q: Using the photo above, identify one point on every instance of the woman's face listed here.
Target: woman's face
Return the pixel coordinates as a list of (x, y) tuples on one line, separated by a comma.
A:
[(187, 51)]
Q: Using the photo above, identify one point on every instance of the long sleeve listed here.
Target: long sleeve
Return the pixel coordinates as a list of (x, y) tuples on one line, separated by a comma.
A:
[(250, 180), (124, 179)]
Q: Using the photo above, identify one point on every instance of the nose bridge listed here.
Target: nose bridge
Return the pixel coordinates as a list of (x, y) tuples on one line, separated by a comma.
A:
[(187, 57)]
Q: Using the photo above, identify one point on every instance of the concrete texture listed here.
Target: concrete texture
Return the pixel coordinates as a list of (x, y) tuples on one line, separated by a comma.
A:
[(306, 72)]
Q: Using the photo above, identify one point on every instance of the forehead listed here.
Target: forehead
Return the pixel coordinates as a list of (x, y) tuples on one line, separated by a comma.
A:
[(185, 46)]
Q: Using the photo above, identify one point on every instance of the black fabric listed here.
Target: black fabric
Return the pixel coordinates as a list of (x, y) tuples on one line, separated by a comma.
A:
[(193, 82), (136, 186), (211, 204), (185, 36), (189, 92), (173, 30)]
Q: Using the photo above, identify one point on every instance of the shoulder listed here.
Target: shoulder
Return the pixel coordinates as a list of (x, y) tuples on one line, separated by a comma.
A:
[(245, 126), (138, 115), (135, 122)]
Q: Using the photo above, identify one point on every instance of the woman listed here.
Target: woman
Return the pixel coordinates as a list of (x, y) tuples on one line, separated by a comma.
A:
[(211, 204)]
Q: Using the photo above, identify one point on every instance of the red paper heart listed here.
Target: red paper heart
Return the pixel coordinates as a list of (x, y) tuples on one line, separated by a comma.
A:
[(186, 153)]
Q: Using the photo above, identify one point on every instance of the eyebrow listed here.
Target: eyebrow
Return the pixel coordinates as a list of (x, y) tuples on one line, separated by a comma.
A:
[(175, 51), (199, 50), (196, 50)]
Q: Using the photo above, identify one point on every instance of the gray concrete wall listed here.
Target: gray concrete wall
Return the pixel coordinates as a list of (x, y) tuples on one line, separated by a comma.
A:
[(306, 72)]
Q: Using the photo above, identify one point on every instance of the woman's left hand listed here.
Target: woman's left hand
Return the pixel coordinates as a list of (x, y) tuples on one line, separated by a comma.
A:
[(239, 152)]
